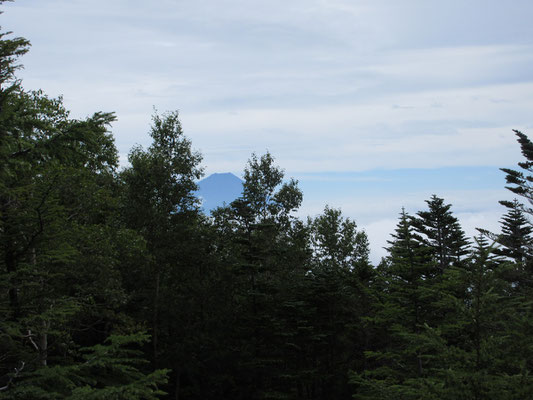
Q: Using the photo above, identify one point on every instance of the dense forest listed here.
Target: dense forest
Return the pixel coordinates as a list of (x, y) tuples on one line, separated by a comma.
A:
[(115, 285)]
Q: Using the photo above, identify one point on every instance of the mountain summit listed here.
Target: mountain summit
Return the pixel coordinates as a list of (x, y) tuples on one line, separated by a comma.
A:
[(217, 189)]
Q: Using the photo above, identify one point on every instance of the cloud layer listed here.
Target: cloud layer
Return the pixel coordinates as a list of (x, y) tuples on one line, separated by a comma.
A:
[(327, 86)]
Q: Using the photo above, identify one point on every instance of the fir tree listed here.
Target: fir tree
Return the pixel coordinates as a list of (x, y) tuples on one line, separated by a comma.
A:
[(439, 229), (516, 232), (519, 181), (401, 314)]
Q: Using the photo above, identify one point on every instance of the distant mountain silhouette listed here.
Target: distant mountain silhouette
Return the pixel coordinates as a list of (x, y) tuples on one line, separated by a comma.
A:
[(217, 189)]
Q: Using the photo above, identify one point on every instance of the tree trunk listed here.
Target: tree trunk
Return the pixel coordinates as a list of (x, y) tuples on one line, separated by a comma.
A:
[(11, 264), (155, 320), (43, 343)]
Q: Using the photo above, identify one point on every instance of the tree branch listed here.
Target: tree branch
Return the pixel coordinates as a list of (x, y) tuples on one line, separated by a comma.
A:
[(17, 372)]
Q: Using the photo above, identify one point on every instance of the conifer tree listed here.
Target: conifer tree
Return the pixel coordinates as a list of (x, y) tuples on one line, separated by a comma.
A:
[(515, 237), (439, 229), (516, 225), (519, 181), (476, 343), (401, 314)]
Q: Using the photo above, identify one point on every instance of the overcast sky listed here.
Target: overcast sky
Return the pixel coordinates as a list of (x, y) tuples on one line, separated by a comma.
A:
[(372, 105)]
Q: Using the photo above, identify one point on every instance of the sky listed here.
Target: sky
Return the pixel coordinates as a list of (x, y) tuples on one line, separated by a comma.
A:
[(371, 105)]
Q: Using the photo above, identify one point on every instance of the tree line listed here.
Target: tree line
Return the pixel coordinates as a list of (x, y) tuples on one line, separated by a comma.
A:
[(115, 285)]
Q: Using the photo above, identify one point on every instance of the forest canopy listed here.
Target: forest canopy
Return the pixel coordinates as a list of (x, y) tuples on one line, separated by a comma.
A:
[(115, 284)]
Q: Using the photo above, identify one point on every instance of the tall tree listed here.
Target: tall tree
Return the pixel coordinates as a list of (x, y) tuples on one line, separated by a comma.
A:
[(338, 300), (439, 229), (515, 237), (519, 181), (264, 247), (158, 201), (337, 242), (58, 256), (516, 226)]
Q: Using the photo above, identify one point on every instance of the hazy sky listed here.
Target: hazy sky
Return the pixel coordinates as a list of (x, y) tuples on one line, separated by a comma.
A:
[(372, 105)]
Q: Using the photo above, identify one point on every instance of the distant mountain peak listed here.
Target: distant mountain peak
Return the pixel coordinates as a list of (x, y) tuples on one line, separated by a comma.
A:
[(217, 189), (221, 175)]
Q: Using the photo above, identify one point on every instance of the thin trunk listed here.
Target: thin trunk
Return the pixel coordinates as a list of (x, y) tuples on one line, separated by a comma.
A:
[(43, 343), (414, 279), (11, 264), (43, 336), (155, 320)]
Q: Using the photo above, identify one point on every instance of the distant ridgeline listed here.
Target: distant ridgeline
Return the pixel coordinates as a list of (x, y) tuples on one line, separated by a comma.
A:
[(217, 189)]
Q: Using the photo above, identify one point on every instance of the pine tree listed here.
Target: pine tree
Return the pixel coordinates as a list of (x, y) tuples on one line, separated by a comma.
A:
[(477, 343), (516, 226), (441, 231), (520, 181), (111, 370), (399, 359), (515, 237)]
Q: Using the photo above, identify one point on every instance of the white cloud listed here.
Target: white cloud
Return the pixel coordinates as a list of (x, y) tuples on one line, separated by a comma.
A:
[(335, 85), (468, 128), (377, 214)]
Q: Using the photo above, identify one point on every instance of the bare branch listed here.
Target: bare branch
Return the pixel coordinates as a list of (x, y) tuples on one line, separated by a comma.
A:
[(17, 372)]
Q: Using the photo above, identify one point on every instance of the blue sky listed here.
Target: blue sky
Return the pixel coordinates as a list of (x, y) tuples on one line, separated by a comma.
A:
[(372, 105)]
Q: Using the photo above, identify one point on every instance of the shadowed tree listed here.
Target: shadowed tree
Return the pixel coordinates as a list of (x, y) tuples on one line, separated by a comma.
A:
[(440, 230), (60, 288)]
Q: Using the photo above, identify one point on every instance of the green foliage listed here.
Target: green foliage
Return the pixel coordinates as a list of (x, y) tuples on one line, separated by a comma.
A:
[(519, 180), (104, 371), (159, 184), (336, 241), (251, 303), (10, 51), (516, 233), (61, 288), (438, 229)]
